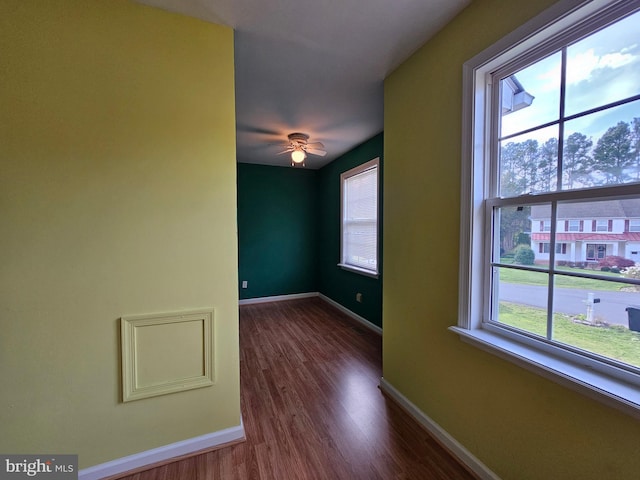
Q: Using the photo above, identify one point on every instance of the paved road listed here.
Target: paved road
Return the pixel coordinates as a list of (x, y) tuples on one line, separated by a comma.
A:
[(571, 301)]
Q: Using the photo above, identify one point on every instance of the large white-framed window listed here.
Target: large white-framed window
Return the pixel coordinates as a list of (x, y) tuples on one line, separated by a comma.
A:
[(359, 188), (572, 147)]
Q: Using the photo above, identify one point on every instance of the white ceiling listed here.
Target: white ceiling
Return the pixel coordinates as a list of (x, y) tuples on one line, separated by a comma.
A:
[(315, 66)]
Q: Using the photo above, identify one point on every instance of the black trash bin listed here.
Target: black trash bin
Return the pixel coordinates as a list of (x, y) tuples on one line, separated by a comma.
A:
[(634, 318)]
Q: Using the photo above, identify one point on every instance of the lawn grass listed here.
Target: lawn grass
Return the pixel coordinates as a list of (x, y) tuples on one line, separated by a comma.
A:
[(535, 278), (615, 341)]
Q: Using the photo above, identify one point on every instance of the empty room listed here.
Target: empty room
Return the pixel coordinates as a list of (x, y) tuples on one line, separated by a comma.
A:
[(312, 239)]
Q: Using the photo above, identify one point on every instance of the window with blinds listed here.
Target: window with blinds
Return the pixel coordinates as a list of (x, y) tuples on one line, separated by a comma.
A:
[(359, 194)]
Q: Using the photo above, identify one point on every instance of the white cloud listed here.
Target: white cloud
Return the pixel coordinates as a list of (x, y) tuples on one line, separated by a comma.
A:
[(581, 66)]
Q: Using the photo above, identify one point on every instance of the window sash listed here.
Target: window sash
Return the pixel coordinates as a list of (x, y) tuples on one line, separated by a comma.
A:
[(591, 375), (558, 45), (490, 302), (554, 195), (359, 226)]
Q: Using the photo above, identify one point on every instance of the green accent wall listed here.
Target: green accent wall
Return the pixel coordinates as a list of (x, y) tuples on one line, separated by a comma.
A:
[(521, 425), (336, 283), (289, 233), (277, 230)]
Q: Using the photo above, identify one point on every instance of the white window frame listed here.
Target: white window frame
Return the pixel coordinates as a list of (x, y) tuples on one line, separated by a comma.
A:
[(594, 377), (602, 226), (546, 248), (370, 165), (634, 225), (573, 226)]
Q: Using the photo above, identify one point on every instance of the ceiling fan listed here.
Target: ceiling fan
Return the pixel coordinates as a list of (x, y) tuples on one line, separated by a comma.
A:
[(299, 147)]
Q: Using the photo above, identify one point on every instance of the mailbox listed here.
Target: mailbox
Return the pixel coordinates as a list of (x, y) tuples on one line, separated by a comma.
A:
[(634, 318)]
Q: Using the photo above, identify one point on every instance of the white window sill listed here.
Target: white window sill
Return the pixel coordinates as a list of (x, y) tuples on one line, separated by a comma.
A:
[(599, 386), (361, 271)]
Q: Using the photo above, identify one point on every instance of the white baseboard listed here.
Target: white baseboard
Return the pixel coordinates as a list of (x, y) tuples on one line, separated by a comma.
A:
[(277, 298), (363, 321), (455, 447), (166, 452)]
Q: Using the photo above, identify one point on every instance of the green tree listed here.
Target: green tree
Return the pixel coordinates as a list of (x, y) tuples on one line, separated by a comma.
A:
[(509, 170), (612, 155), (635, 144), (547, 166), (576, 161), (514, 222), (519, 168), (522, 238)]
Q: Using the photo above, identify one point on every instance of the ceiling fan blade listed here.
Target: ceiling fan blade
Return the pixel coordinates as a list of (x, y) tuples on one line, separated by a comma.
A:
[(288, 150), (315, 151), (317, 145)]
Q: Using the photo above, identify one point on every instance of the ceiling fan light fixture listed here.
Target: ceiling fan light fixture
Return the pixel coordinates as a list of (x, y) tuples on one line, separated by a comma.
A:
[(298, 156)]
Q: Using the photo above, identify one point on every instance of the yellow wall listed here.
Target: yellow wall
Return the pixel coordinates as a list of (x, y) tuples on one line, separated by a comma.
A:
[(519, 424), (117, 197)]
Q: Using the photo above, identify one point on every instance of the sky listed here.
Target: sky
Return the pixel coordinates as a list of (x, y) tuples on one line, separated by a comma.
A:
[(601, 68)]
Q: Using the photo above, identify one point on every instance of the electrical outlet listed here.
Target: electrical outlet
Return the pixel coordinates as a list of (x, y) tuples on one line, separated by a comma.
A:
[(359, 297), (245, 284)]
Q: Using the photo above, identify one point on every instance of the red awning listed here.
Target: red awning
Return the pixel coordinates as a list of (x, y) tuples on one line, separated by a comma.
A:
[(591, 237)]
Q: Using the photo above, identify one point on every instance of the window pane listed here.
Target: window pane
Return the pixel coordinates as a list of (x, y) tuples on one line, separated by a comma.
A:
[(603, 238), (604, 67), (602, 148), (360, 244), (513, 235), (359, 223), (540, 234), (520, 296), (528, 163), (573, 225), (521, 299), (531, 96), (592, 315)]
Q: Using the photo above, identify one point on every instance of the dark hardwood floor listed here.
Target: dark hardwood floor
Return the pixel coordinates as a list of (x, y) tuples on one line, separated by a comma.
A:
[(312, 408)]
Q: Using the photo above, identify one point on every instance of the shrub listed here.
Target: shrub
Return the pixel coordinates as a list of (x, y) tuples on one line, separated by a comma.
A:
[(524, 255), (616, 261), (615, 270), (605, 269), (562, 263)]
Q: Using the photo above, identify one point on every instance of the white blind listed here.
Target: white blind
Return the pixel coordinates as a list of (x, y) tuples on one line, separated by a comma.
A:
[(360, 220)]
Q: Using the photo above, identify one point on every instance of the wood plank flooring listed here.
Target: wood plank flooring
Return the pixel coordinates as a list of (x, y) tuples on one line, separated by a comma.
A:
[(312, 408)]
